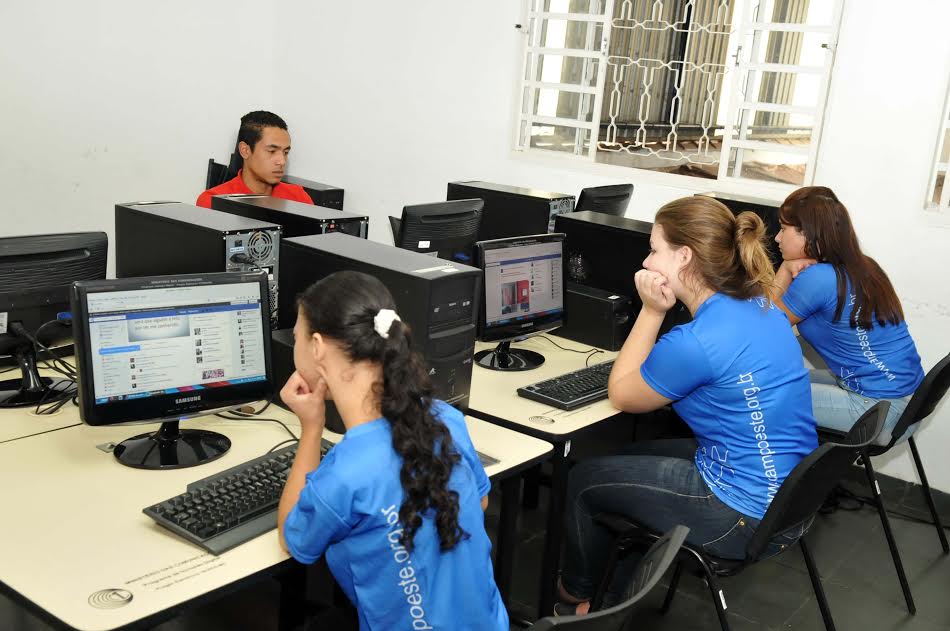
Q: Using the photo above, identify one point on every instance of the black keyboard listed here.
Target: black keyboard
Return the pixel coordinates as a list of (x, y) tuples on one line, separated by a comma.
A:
[(232, 507), (571, 390)]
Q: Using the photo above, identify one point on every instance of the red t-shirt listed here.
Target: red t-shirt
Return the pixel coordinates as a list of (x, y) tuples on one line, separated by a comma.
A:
[(282, 190)]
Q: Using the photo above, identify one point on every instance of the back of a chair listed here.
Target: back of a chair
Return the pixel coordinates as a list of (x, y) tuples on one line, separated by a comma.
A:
[(925, 399), (395, 224), (807, 486), (216, 173), (646, 576)]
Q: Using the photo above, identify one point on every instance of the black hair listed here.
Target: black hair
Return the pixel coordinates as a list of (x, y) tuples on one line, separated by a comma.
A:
[(253, 124), (342, 307)]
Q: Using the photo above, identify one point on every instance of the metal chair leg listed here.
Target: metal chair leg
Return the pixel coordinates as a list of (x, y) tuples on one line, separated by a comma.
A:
[(928, 495), (671, 592), (719, 598), (816, 585), (888, 533)]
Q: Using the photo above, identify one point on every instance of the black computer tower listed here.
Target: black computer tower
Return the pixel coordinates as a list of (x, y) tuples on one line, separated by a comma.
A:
[(438, 299), (605, 252), (322, 194), (163, 238), (512, 211), (296, 219), (596, 317), (766, 209)]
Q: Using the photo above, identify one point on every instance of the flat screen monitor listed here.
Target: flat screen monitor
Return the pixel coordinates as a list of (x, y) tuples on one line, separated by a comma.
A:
[(170, 348), (36, 273), (447, 230), (610, 200), (524, 296)]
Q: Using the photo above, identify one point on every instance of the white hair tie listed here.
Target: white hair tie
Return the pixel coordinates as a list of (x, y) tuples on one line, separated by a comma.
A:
[(383, 320)]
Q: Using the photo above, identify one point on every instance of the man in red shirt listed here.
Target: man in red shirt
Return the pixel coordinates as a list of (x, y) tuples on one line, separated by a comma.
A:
[(264, 143)]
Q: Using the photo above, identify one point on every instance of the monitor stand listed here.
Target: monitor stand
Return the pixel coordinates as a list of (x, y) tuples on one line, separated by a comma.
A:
[(503, 357), (171, 448), (30, 388)]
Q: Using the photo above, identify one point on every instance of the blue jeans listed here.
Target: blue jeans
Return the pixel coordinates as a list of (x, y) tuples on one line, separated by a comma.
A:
[(655, 484), (838, 408)]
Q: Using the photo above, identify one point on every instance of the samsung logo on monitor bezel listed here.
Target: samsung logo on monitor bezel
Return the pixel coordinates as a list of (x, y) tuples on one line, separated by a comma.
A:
[(193, 399)]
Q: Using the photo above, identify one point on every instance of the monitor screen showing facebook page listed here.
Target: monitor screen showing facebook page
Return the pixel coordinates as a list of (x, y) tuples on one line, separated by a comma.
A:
[(168, 340), (523, 282)]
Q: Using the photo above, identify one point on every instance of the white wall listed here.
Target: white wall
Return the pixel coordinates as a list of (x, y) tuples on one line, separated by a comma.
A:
[(108, 101), (398, 102)]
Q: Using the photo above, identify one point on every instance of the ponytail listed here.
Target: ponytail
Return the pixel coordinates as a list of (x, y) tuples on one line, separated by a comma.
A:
[(729, 253), (344, 307), (753, 256)]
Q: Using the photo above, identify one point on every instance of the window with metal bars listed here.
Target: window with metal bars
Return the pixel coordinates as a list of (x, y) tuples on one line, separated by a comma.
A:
[(938, 194), (716, 89)]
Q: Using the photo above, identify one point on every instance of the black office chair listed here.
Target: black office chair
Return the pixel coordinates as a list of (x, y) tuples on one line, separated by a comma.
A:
[(921, 405), (795, 505), (216, 174), (610, 200), (395, 224), (646, 576)]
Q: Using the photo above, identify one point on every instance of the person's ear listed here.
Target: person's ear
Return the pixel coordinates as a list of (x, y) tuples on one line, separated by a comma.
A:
[(318, 347), (244, 149), (685, 255)]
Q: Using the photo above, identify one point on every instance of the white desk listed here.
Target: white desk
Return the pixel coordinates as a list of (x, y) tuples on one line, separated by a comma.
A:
[(82, 529), (494, 397), (23, 422)]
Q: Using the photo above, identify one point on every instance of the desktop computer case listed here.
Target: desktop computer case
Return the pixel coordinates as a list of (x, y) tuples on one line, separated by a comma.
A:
[(509, 209), (163, 238), (325, 195), (296, 219), (596, 317), (438, 299)]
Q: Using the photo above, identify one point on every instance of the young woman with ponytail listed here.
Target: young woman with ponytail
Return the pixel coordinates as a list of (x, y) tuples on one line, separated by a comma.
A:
[(734, 374), (847, 309), (396, 506)]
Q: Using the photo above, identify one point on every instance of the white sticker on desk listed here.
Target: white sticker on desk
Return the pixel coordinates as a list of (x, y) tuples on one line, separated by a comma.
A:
[(3, 322)]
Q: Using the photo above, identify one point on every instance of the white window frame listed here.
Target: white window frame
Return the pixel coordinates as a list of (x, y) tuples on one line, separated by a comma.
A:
[(726, 180), (940, 168)]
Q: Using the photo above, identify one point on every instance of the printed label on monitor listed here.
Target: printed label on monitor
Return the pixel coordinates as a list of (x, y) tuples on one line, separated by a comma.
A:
[(3, 322), (522, 283), (175, 340)]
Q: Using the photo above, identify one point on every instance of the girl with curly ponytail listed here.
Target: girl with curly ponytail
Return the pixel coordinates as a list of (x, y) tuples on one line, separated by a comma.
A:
[(735, 374), (397, 505)]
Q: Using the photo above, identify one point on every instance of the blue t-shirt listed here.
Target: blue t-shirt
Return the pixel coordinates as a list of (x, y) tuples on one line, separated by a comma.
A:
[(349, 510), (737, 378), (881, 362)]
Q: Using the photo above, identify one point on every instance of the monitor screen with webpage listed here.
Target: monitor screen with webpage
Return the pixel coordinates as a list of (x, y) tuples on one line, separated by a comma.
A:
[(170, 348), (524, 292)]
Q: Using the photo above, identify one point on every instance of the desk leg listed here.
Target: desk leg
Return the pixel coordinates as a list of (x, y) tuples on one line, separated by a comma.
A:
[(532, 488), (507, 536), (555, 530), (293, 593)]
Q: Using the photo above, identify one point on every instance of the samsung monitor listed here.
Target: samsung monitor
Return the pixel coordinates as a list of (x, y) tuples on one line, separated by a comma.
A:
[(447, 230), (610, 200), (170, 348), (524, 296), (35, 276)]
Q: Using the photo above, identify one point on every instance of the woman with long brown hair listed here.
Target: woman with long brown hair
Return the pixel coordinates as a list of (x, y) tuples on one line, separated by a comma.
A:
[(735, 374), (847, 309)]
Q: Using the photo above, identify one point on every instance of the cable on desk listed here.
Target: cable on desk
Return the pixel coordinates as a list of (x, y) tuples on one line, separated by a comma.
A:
[(592, 353), (280, 444), (564, 348), (250, 417)]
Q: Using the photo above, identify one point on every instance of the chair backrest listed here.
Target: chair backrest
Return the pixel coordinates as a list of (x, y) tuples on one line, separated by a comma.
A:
[(216, 174), (925, 399), (808, 484), (396, 225), (646, 576)]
